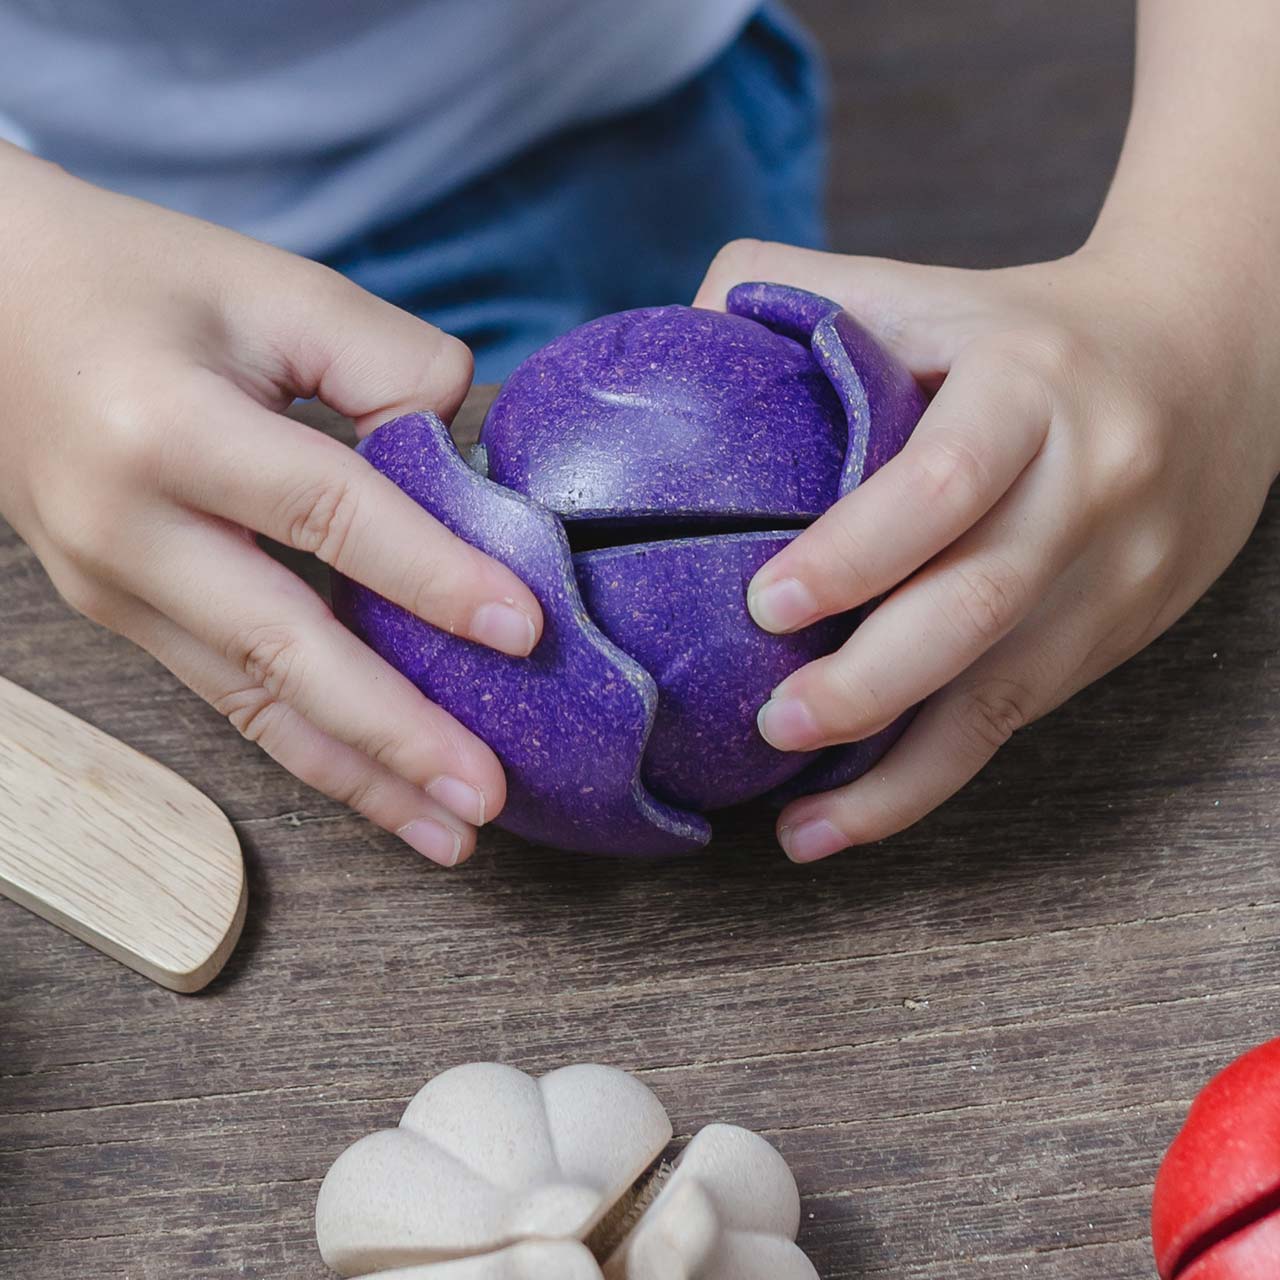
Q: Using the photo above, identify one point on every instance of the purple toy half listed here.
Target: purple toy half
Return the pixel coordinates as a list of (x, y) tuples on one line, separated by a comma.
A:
[(638, 471)]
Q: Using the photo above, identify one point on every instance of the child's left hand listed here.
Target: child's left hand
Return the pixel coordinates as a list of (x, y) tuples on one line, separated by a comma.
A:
[(1101, 443)]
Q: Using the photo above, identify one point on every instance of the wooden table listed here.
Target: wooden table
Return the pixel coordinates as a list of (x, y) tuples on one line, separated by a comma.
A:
[(972, 1042)]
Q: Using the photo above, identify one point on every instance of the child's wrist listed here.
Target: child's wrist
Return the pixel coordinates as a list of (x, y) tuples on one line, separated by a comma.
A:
[(1211, 303), (1215, 242)]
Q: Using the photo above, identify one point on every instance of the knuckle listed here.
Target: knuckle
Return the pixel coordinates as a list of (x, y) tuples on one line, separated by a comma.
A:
[(386, 749), (853, 701), (850, 556), (739, 252), (321, 519), (323, 283), (988, 715), (364, 792), (737, 262), (272, 659), (875, 816), (84, 537), (885, 817), (983, 599), (127, 431), (135, 430), (1129, 635), (453, 364), (251, 710), (1149, 562), (88, 596), (426, 589), (416, 366), (439, 369), (950, 471), (1130, 460), (1050, 353)]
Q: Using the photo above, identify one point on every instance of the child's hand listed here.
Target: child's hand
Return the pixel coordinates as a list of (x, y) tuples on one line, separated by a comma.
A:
[(144, 359), (1102, 439)]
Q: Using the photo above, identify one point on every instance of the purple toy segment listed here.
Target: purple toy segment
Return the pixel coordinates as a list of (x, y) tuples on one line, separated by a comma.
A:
[(570, 722), (889, 398), (794, 313), (883, 403), (679, 608), (667, 411), (881, 399)]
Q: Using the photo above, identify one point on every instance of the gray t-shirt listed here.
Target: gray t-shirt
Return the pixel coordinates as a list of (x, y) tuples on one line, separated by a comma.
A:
[(305, 122)]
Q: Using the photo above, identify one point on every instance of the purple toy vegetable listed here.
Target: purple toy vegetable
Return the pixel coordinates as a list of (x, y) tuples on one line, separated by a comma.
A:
[(640, 469)]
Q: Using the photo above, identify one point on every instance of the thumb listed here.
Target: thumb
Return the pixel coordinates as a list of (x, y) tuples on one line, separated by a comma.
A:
[(372, 362), (916, 311), (366, 358)]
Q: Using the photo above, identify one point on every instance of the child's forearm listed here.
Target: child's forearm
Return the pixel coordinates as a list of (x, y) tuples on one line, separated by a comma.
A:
[(1198, 174), (16, 169)]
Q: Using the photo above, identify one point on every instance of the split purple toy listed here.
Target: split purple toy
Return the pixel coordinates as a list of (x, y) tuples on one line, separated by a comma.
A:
[(636, 473)]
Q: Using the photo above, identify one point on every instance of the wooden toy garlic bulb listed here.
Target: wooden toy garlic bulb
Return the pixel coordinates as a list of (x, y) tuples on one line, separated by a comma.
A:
[(492, 1175)]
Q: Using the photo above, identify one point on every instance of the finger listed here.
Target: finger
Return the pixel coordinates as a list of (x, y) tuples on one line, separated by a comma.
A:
[(918, 312), (292, 483), (982, 430), (955, 734), (311, 755), (272, 628), (360, 355), (929, 631)]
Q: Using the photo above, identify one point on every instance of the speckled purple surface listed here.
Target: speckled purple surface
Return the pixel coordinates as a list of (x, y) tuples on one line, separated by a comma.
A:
[(881, 400), (636, 712), (705, 751), (665, 411), (569, 723)]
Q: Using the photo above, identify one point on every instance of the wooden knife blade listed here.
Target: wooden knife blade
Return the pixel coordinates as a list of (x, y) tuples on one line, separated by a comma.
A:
[(114, 847)]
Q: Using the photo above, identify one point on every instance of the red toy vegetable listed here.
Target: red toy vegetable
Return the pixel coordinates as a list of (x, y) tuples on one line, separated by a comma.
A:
[(1216, 1210)]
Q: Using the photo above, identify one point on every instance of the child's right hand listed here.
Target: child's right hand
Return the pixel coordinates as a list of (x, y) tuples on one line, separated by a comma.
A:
[(145, 358)]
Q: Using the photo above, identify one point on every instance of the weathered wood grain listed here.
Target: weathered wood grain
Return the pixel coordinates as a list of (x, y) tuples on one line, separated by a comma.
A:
[(972, 1042)]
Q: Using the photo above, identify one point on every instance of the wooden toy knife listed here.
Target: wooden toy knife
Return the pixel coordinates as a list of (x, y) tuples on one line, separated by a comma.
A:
[(114, 847)]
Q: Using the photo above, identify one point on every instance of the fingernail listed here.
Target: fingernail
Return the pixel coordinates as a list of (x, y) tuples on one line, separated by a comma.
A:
[(788, 724), (433, 840), (502, 626), (460, 798), (783, 605), (812, 840)]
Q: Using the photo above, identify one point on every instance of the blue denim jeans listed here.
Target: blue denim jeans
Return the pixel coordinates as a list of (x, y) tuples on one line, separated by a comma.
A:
[(624, 213)]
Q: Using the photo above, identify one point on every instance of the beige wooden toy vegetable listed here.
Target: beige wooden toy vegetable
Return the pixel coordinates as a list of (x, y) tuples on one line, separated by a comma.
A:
[(492, 1175)]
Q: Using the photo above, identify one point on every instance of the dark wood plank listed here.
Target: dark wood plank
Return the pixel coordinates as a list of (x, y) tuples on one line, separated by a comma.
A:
[(972, 1042)]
